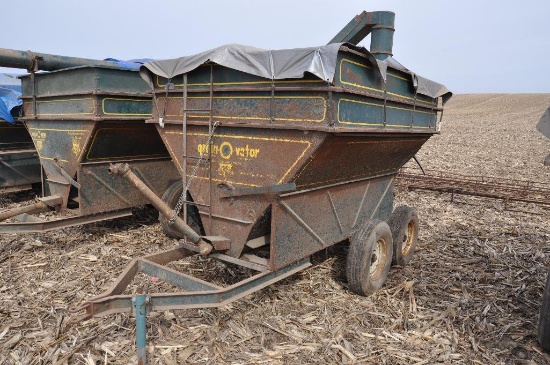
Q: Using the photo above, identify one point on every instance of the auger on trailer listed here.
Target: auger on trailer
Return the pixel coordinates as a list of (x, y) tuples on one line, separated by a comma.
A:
[(282, 154), (83, 115)]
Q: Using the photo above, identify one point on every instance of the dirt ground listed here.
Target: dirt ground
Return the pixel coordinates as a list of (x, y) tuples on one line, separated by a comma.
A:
[(471, 295)]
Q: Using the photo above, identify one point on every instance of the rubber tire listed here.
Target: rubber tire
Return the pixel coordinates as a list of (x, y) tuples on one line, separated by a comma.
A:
[(404, 227), (373, 234), (544, 318), (171, 197)]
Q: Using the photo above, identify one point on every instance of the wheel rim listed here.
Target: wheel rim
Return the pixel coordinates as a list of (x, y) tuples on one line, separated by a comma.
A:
[(377, 259), (408, 239)]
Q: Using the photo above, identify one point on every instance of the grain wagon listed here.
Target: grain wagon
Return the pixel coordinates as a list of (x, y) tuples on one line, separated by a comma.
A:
[(281, 154), (82, 116)]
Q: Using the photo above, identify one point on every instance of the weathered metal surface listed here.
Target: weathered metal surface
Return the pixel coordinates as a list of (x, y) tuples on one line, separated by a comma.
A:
[(60, 146), (242, 158), (14, 137), (123, 107), (341, 137), (355, 74), (101, 191), (380, 24), (82, 119), (254, 158), (273, 189), (140, 305), (348, 158), (70, 123), (358, 99), (42, 61), (75, 156), (19, 169), (86, 93), (307, 222), (19, 163), (258, 108)]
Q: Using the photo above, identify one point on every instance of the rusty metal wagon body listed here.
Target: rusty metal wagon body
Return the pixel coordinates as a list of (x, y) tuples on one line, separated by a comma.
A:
[(298, 160), (81, 119), (282, 154)]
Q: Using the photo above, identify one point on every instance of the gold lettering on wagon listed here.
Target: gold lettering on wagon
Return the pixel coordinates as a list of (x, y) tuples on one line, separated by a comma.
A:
[(225, 169), (38, 138), (76, 137), (226, 150)]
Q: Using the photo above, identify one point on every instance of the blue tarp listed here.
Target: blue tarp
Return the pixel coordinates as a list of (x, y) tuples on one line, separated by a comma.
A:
[(134, 64), (10, 93)]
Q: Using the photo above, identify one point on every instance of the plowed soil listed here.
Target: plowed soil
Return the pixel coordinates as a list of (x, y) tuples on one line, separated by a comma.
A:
[(471, 294)]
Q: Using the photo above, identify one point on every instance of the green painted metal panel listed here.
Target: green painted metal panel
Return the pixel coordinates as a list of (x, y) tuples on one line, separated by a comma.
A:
[(356, 73), (228, 78), (361, 99), (125, 107), (86, 93), (361, 112), (288, 107), (88, 106), (83, 80)]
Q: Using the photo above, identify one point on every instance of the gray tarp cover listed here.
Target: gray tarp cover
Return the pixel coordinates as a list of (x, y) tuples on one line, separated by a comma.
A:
[(281, 64)]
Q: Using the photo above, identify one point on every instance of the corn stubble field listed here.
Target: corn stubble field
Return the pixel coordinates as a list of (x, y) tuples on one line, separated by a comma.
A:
[(471, 295)]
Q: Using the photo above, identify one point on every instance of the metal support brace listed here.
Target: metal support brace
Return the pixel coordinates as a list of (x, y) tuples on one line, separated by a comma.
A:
[(140, 302), (440, 121), (331, 109), (272, 102), (414, 109), (385, 104)]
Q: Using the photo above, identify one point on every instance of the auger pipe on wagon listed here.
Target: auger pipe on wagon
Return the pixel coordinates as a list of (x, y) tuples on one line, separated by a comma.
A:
[(379, 24), (34, 61), (124, 171)]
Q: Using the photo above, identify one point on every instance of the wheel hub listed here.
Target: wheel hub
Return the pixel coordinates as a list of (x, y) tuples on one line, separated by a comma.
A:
[(408, 239), (377, 258)]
